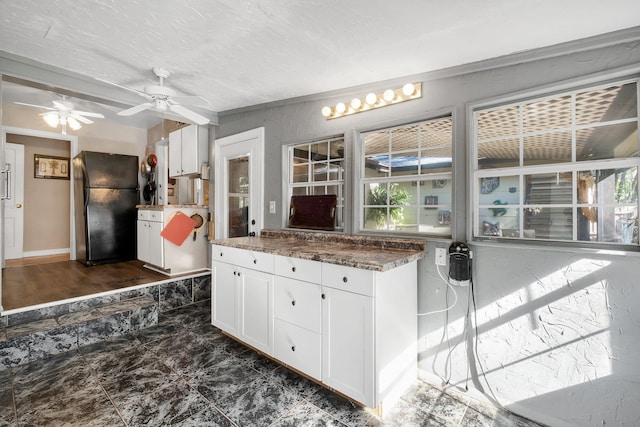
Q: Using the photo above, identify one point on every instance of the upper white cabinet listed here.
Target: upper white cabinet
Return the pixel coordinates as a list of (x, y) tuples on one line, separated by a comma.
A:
[(188, 150)]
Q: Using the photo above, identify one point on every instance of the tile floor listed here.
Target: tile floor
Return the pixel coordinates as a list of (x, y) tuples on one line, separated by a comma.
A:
[(185, 372)]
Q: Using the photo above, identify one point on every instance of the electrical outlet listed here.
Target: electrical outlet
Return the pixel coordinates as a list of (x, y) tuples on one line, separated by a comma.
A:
[(441, 256), (272, 206)]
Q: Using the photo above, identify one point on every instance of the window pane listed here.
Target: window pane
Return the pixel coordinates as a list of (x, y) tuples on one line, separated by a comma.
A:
[(548, 114), (320, 171), (549, 188), (299, 191), (301, 154), (391, 195), (608, 186), (494, 221), (547, 148), (404, 164), (336, 149), (336, 171), (376, 166), (300, 173), (607, 104), (405, 138), (549, 223), (499, 154), (607, 142), (318, 151), (376, 143), (498, 123), (500, 190)]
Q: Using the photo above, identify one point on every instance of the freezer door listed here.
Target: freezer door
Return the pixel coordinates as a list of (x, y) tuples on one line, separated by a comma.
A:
[(106, 170), (110, 225)]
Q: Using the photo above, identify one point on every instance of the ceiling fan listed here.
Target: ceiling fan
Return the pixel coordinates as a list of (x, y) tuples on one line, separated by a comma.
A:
[(162, 98), (64, 114)]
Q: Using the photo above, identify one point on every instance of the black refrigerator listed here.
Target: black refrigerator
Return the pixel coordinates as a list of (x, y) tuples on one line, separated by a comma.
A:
[(106, 193)]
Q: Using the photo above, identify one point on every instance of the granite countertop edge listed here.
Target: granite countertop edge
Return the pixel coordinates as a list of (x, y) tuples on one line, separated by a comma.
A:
[(365, 252)]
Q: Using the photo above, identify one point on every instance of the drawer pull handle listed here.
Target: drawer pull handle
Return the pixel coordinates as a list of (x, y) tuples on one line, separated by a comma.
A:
[(293, 348), (293, 302), (344, 279), (293, 269)]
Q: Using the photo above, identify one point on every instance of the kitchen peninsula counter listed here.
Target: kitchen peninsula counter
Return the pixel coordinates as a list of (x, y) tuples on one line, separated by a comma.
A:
[(365, 252)]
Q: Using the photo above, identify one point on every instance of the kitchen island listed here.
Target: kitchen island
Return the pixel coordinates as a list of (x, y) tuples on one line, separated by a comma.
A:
[(339, 309)]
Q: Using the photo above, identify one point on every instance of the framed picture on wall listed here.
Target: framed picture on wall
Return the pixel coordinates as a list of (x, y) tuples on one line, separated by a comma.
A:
[(50, 167)]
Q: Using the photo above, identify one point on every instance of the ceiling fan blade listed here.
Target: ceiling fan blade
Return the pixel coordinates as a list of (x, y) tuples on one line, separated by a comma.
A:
[(125, 88), (80, 118), (60, 106), (35, 106), (185, 112), (191, 100), (134, 110), (88, 114)]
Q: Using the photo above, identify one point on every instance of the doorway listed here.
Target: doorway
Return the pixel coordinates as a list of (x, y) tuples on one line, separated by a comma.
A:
[(239, 185), (69, 140)]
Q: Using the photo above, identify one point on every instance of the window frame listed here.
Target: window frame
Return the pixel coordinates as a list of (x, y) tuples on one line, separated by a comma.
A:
[(290, 185), (574, 166), (360, 205)]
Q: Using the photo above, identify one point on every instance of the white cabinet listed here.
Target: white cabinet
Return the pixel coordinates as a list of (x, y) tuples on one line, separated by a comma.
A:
[(242, 298), (149, 241), (164, 256), (353, 330), (188, 150)]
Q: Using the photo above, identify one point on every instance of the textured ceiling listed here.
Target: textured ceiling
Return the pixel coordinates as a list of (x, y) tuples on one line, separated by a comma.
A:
[(242, 53)]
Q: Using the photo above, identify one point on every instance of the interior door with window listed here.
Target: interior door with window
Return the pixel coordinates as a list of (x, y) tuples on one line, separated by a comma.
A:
[(13, 199), (239, 184)]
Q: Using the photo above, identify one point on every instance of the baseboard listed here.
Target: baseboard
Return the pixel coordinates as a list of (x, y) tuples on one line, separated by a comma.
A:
[(46, 252)]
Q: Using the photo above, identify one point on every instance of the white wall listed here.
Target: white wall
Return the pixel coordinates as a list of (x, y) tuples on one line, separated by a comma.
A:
[(559, 332)]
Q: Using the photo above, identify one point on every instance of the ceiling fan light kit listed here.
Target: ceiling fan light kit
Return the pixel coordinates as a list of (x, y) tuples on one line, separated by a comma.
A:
[(63, 114)]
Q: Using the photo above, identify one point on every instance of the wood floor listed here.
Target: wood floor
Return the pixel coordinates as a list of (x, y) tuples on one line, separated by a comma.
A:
[(52, 280)]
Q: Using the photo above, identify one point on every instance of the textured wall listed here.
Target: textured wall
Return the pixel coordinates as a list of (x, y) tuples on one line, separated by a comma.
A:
[(559, 330)]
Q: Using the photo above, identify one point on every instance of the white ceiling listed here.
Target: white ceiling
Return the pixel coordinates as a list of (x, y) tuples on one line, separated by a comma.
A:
[(239, 53)]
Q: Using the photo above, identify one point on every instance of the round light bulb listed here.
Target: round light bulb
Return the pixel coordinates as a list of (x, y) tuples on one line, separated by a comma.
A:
[(371, 99), (341, 108), (356, 103), (388, 95), (408, 89), (326, 111)]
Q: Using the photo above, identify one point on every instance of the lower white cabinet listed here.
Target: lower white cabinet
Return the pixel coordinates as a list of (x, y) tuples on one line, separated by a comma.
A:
[(149, 242), (351, 329)]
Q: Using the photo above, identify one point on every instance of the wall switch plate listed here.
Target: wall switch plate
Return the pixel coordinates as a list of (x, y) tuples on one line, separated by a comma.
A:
[(272, 206), (441, 256)]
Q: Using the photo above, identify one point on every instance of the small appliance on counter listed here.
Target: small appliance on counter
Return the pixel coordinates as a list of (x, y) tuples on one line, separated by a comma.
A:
[(106, 194)]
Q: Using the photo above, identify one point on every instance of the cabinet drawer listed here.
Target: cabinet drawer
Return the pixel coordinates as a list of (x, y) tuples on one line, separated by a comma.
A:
[(155, 216), (348, 279), (298, 302), (253, 260), (296, 268), (298, 348), (143, 215)]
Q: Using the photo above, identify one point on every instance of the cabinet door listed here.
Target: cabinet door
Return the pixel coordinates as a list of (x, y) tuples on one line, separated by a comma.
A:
[(190, 161), (224, 297), (256, 309), (347, 344), (143, 240), (175, 153), (156, 244)]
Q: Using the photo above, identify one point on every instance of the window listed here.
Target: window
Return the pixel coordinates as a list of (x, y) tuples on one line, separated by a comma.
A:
[(317, 168), (559, 168), (405, 180)]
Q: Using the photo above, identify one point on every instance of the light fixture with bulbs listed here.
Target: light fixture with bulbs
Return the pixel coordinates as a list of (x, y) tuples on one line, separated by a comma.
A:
[(55, 118), (372, 101)]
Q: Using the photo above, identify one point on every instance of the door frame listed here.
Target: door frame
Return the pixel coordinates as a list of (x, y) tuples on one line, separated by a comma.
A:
[(73, 149), (220, 210)]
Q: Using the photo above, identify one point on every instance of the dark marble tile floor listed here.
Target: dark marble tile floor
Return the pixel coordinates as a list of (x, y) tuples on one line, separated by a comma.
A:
[(184, 372)]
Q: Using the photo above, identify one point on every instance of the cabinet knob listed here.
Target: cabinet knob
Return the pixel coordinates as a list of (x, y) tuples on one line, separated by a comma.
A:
[(220, 253), (235, 273), (293, 269), (344, 279), (293, 348), (255, 261), (293, 302), (238, 274), (324, 296)]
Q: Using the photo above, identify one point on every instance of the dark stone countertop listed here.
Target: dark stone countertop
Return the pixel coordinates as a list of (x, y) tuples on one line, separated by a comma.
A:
[(366, 252)]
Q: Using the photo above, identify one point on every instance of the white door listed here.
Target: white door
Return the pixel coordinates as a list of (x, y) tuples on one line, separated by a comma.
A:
[(13, 200), (239, 184)]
